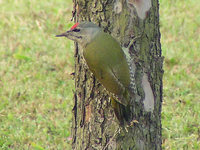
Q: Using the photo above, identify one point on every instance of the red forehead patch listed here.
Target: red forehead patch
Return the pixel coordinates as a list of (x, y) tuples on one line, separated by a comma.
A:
[(74, 26)]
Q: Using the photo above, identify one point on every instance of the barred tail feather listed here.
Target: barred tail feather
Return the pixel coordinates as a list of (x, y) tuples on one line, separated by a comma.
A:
[(122, 112)]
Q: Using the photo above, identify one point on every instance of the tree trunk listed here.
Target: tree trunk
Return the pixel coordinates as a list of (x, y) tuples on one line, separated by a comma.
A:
[(94, 123)]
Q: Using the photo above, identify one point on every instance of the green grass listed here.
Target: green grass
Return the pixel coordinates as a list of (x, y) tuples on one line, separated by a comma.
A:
[(180, 29), (35, 83)]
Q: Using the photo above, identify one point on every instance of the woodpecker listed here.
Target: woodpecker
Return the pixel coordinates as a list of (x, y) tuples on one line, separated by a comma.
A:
[(107, 61)]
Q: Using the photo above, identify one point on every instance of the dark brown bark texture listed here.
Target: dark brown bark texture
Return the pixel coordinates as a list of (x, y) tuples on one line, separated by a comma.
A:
[(95, 126)]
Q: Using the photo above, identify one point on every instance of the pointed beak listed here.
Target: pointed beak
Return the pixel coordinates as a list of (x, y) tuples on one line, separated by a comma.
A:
[(66, 34), (70, 35)]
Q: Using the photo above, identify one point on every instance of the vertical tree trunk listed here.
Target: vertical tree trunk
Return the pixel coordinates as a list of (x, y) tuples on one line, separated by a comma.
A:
[(94, 123)]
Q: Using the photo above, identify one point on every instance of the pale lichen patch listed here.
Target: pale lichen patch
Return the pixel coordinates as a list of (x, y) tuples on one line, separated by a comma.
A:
[(149, 97), (117, 6), (141, 6), (140, 145)]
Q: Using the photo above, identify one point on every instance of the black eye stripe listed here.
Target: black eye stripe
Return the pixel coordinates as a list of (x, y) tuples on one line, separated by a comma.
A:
[(76, 30)]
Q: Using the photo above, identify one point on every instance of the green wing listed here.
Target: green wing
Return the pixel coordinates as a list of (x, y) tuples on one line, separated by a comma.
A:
[(107, 61)]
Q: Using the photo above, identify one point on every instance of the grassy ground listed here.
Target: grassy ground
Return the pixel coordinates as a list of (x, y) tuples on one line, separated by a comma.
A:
[(36, 87), (180, 28), (35, 83)]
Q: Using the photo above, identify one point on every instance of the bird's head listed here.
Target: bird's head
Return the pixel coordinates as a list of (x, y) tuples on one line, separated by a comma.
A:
[(83, 32)]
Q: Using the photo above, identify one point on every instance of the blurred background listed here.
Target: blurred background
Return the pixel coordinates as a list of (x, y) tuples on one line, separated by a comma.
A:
[(36, 88)]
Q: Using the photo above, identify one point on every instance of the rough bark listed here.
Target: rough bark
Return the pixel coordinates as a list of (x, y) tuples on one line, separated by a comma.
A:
[(94, 123)]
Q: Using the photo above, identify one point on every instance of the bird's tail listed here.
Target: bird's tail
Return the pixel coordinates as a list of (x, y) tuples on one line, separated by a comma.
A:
[(122, 112)]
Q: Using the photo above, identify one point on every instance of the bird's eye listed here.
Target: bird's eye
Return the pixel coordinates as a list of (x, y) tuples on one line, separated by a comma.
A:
[(76, 30)]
